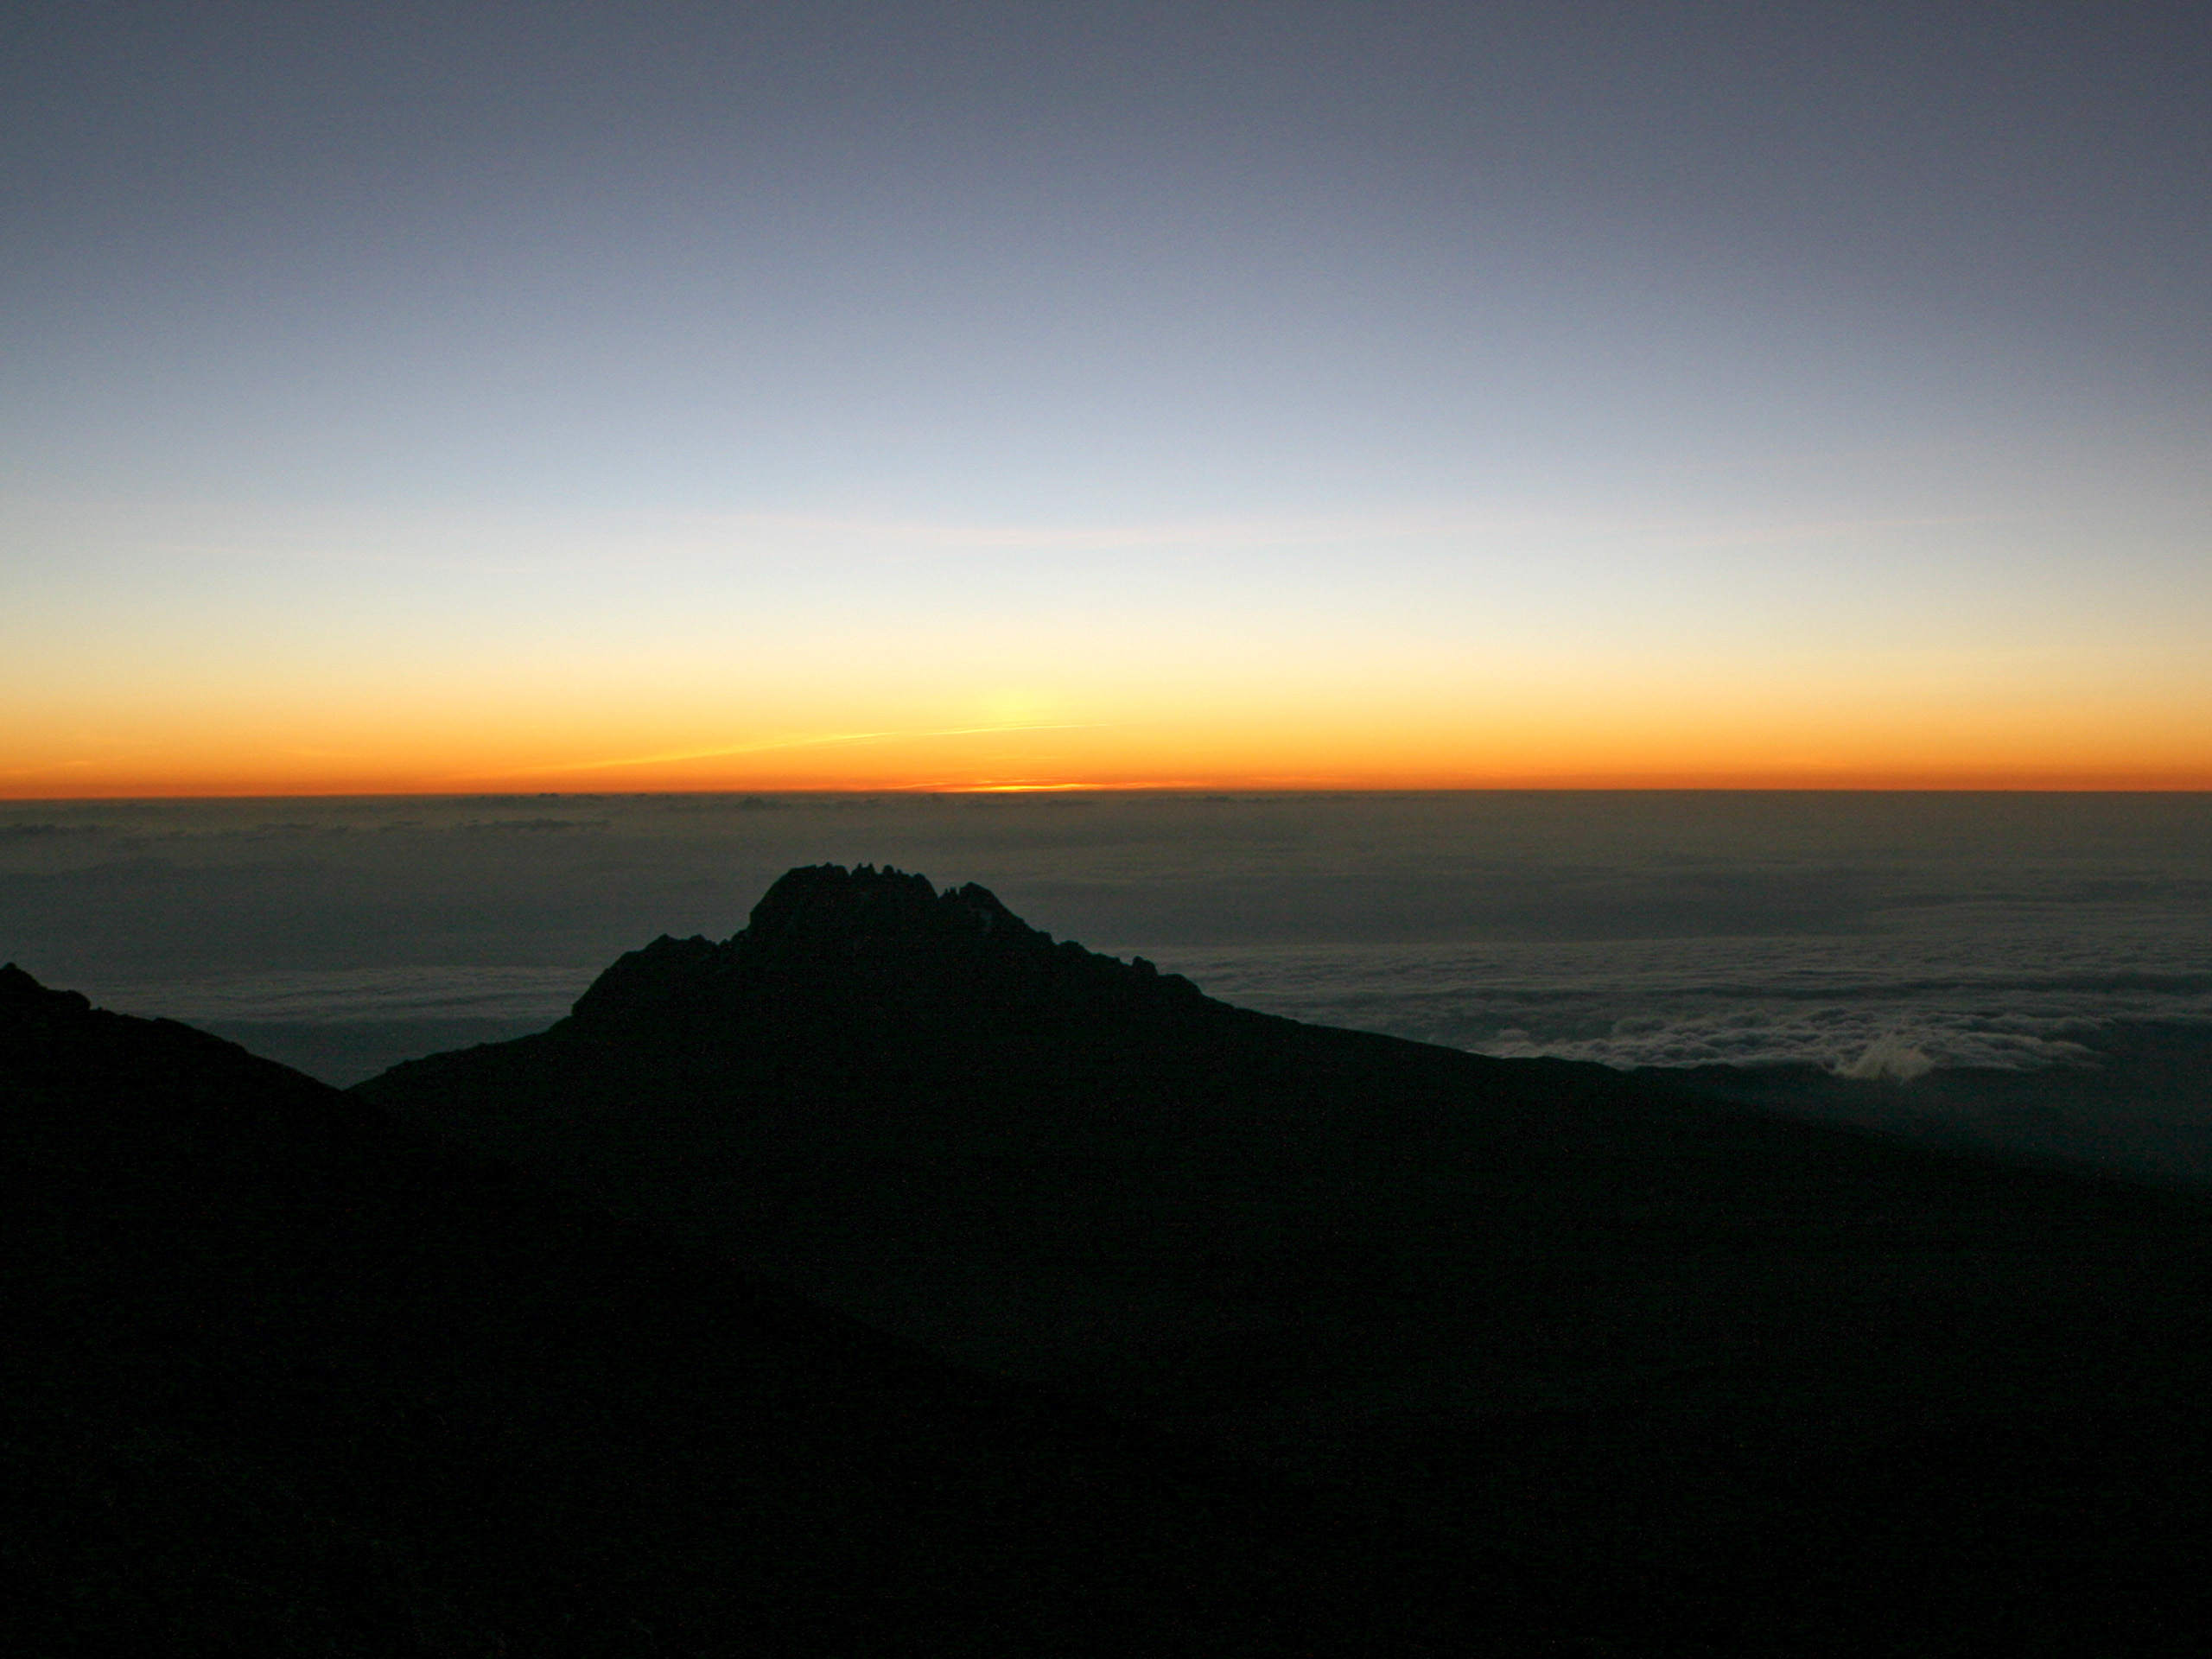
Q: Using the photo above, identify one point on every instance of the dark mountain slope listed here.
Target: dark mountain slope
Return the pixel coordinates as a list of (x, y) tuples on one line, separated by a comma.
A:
[(1741, 1381), (286, 1377)]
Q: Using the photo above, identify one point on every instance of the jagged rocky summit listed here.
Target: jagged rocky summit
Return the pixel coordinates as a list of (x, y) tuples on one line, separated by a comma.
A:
[(879, 945), (862, 1009)]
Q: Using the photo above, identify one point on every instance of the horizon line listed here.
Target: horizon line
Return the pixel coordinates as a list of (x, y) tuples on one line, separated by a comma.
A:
[(1253, 786)]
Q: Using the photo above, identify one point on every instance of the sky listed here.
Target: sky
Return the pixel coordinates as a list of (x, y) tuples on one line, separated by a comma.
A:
[(583, 397)]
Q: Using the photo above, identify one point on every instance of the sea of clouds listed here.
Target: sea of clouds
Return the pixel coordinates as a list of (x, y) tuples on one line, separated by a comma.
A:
[(1872, 937), (1893, 1006)]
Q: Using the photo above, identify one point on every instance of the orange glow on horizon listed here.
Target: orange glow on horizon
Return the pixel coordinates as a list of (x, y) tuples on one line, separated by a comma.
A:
[(246, 786), (1587, 737)]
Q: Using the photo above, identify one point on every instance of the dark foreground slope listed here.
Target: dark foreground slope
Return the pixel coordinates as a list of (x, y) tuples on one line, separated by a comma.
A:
[(284, 1377), (1730, 1381)]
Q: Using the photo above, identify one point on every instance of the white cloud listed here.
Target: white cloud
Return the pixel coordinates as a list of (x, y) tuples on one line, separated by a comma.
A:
[(1895, 1007)]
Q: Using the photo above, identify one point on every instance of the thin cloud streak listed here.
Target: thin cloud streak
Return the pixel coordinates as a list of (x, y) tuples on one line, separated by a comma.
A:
[(509, 542), (830, 740), (1238, 535)]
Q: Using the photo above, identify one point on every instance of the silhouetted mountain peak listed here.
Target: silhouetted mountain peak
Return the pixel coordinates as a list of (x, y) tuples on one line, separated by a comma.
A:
[(820, 906), (1727, 1378), (828, 898), (864, 941)]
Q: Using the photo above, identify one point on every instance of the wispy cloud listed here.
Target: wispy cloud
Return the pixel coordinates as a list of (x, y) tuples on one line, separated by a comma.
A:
[(922, 536), (908, 537), (494, 541), (815, 741), (1756, 534)]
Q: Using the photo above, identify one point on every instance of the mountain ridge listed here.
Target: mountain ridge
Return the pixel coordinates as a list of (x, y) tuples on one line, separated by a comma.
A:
[(1758, 1367)]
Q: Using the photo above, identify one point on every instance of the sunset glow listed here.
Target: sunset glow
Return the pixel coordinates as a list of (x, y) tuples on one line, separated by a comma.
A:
[(879, 421)]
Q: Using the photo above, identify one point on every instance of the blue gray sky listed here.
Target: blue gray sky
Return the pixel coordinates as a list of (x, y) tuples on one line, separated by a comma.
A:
[(421, 396)]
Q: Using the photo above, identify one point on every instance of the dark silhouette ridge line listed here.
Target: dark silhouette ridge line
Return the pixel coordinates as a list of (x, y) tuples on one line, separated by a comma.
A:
[(290, 1376), (1795, 1384)]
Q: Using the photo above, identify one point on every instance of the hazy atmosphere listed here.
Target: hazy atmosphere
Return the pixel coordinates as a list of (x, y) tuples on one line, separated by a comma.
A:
[(1925, 942)]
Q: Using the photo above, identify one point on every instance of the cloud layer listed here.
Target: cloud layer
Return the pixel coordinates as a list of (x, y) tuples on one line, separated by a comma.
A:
[(1886, 1006), (1867, 935)]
